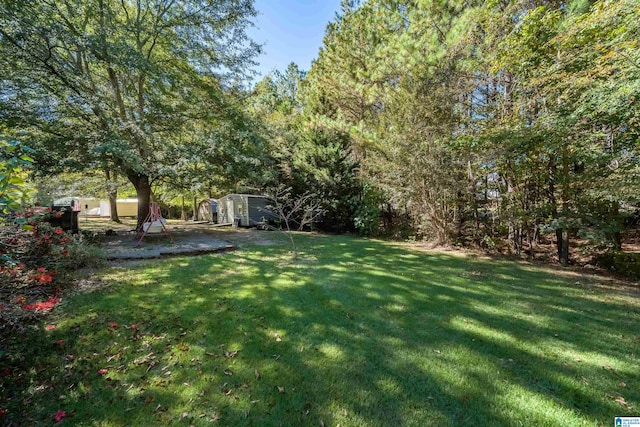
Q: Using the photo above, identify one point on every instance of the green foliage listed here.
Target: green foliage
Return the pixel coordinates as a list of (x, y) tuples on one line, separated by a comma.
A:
[(487, 119), (624, 264), (367, 215), (306, 154), (34, 243), (14, 159), (36, 260), (322, 164), (122, 86)]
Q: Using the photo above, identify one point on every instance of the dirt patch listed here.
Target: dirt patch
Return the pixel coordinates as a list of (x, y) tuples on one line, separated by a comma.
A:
[(121, 242)]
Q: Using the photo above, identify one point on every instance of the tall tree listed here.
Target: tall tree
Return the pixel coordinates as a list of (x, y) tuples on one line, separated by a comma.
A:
[(116, 83)]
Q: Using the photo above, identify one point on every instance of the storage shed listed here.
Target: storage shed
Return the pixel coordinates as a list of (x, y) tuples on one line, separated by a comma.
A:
[(208, 210), (244, 210)]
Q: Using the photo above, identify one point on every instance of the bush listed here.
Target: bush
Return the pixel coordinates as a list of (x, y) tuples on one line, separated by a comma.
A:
[(35, 260), (625, 264), (82, 253)]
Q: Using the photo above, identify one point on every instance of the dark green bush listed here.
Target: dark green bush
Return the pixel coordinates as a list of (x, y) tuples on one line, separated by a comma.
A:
[(625, 264)]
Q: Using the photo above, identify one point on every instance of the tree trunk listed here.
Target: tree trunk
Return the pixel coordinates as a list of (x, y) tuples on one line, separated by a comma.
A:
[(563, 246), (195, 208), (616, 236), (113, 207), (514, 228), (112, 193), (562, 235), (142, 185), (183, 216)]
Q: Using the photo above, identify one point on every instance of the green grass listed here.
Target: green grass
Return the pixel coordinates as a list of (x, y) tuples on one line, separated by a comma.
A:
[(353, 332)]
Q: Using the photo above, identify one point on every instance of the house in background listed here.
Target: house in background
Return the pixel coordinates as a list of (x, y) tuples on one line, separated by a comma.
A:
[(92, 207), (126, 207), (245, 210)]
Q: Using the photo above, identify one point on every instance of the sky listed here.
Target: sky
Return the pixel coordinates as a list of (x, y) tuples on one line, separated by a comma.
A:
[(291, 31)]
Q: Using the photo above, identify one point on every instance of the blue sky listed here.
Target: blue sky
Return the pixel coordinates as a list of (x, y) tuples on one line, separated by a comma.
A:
[(290, 30)]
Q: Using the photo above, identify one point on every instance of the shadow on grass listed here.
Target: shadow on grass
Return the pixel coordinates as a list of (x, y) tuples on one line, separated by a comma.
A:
[(353, 332)]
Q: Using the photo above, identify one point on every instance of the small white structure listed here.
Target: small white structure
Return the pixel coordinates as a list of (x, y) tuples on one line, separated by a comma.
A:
[(126, 207), (245, 210), (89, 206)]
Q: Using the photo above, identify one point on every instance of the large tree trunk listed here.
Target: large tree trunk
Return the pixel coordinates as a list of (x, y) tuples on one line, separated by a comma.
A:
[(183, 216), (112, 193), (562, 245), (142, 184), (195, 208), (113, 207)]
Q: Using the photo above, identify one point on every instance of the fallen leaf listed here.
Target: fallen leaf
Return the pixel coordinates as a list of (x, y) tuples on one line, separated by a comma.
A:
[(256, 373), (228, 372), (280, 389), (437, 351), (622, 384), (231, 354), (184, 415), (584, 380), (59, 416), (276, 336)]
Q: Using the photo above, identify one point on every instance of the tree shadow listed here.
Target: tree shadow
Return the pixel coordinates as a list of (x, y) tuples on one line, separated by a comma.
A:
[(354, 332)]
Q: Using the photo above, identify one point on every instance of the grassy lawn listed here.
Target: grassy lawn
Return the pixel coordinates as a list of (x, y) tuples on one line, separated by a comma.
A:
[(353, 332)]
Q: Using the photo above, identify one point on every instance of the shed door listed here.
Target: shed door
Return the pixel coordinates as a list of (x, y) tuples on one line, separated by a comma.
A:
[(230, 210)]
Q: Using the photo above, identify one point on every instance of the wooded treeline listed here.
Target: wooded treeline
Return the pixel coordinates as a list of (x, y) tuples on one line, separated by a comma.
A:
[(484, 123), (481, 122)]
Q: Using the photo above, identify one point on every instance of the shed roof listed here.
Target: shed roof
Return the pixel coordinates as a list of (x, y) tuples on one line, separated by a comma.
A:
[(247, 195)]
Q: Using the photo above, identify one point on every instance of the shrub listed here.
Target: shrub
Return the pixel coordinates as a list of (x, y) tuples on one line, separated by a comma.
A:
[(35, 260), (82, 253), (625, 264)]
